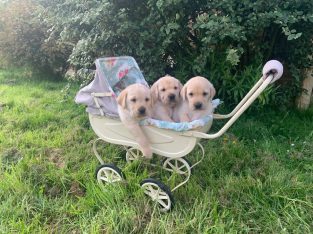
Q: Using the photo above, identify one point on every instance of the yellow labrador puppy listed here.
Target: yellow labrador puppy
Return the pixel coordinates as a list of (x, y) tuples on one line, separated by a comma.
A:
[(134, 104), (197, 95), (166, 94)]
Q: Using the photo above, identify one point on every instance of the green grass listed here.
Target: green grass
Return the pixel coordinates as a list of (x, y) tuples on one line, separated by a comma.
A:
[(257, 178)]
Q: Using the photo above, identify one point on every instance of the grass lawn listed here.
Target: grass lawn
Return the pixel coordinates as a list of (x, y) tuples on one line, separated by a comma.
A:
[(257, 178)]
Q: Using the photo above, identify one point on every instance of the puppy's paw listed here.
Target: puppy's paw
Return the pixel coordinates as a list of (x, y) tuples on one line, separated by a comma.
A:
[(147, 153)]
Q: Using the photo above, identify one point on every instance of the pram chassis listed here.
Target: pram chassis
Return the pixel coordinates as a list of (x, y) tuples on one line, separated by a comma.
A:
[(167, 143)]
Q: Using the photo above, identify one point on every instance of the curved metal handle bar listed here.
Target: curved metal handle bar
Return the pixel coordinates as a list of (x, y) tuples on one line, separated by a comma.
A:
[(272, 67), (238, 113), (243, 101)]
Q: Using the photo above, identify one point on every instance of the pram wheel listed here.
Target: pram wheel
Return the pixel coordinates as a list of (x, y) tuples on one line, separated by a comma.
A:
[(177, 165), (109, 173), (159, 193), (133, 154)]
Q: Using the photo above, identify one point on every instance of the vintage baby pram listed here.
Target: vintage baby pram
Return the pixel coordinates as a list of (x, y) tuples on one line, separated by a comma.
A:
[(170, 140)]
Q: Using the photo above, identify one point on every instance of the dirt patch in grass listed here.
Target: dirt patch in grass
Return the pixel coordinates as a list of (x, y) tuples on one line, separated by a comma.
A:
[(11, 156), (77, 190), (55, 156), (53, 191), (74, 189)]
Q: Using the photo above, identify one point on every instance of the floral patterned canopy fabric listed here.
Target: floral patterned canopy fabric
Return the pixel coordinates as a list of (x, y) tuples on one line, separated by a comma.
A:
[(113, 74)]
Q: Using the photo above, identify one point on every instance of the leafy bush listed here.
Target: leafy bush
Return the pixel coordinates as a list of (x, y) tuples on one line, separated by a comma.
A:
[(227, 41), (25, 40), (224, 40)]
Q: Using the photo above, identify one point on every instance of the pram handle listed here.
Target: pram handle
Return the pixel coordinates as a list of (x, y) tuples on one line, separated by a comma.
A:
[(271, 67), (271, 72)]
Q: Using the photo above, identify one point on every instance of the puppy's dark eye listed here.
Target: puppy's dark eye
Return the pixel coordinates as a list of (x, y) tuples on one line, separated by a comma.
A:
[(147, 99), (190, 94), (205, 93), (163, 89), (175, 87), (133, 100)]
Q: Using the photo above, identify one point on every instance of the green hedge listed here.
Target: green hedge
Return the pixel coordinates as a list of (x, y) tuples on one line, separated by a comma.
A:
[(224, 40), (227, 41)]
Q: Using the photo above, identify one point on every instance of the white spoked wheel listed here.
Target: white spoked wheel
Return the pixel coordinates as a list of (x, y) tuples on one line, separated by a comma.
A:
[(159, 193), (133, 154), (109, 173), (177, 165)]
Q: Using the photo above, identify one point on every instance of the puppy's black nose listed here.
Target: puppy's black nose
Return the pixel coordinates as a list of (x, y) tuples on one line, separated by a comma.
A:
[(142, 110), (198, 105), (171, 97)]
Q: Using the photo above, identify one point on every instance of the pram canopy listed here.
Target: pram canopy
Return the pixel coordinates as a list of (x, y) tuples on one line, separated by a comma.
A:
[(113, 74)]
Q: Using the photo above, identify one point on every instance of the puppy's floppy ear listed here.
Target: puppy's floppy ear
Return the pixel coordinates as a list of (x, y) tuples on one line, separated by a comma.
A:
[(212, 91), (183, 92), (152, 101), (121, 99), (155, 91), (180, 86)]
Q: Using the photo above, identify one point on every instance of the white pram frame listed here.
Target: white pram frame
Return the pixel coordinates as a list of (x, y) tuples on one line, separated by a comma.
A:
[(168, 143)]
